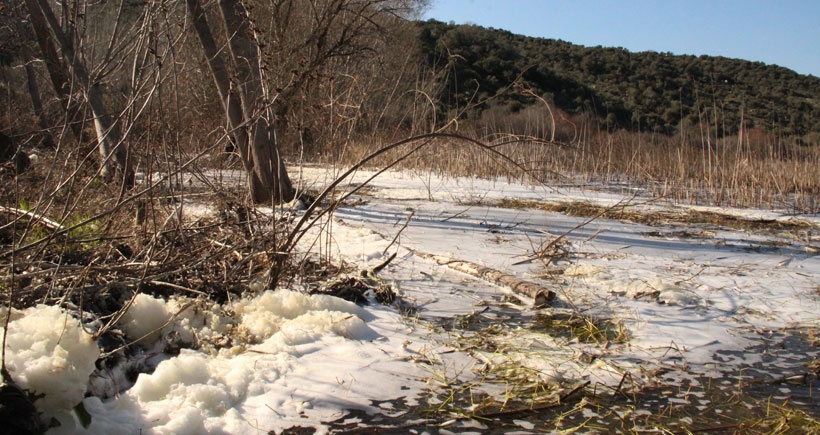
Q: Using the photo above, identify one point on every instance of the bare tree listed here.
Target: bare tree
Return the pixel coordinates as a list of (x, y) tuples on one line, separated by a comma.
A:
[(249, 116), (319, 48), (50, 34), (16, 43), (267, 61), (36, 100), (301, 38)]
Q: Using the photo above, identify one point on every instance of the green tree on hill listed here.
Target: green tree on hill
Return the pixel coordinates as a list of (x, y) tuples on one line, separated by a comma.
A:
[(646, 90)]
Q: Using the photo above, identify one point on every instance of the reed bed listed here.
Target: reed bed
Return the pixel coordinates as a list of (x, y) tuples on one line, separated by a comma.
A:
[(752, 168)]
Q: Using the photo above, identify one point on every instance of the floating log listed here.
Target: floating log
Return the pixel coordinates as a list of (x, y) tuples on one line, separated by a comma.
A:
[(537, 294)]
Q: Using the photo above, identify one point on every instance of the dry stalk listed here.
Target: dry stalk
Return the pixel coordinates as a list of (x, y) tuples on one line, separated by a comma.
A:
[(549, 247)]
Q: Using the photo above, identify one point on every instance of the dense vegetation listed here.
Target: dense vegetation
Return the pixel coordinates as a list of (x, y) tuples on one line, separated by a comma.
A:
[(344, 80), (645, 91)]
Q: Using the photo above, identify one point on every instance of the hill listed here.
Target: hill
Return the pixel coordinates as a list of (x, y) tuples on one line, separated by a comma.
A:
[(635, 91)]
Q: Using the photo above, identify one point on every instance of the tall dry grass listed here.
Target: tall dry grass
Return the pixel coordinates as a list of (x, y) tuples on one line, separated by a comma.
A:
[(751, 168)]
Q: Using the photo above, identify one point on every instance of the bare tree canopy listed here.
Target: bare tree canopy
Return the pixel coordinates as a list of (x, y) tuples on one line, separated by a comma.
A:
[(50, 31), (277, 54)]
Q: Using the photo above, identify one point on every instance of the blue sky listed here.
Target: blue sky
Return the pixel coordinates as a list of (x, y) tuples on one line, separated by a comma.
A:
[(782, 32)]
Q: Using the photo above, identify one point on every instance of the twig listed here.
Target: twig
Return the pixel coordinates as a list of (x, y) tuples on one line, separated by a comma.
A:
[(562, 398), (178, 287), (3, 371), (555, 241), (518, 411), (406, 223), (384, 264), (620, 384), (167, 322), (48, 223), (732, 428)]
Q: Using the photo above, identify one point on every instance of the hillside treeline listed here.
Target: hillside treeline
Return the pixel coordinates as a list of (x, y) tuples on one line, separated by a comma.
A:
[(646, 91), (365, 71)]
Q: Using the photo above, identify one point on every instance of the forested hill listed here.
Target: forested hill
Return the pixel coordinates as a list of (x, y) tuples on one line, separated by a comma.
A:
[(646, 90)]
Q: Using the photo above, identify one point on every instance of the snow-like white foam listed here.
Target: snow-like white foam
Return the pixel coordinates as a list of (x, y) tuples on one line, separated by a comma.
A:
[(145, 318), (48, 353), (278, 337)]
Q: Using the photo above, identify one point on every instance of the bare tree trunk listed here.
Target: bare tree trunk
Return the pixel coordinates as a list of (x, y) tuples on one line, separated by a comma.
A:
[(113, 150), (249, 117), (36, 101), (58, 72), (269, 182), (229, 97)]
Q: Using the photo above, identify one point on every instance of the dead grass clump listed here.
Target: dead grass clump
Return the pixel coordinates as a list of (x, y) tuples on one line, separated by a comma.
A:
[(357, 289), (573, 326), (784, 419), (586, 209)]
